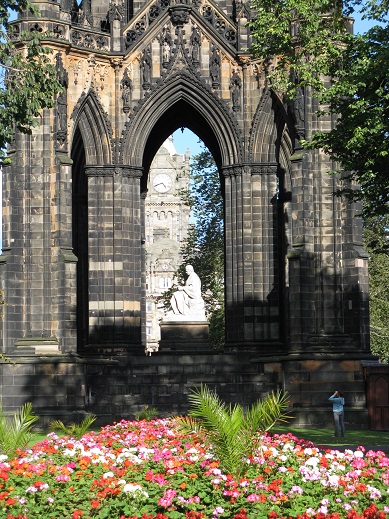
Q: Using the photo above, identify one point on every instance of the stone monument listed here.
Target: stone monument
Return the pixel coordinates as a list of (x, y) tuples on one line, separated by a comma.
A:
[(185, 326), (73, 268)]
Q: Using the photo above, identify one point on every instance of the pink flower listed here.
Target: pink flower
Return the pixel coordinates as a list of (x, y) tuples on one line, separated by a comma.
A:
[(167, 499), (253, 497), (62, 477)]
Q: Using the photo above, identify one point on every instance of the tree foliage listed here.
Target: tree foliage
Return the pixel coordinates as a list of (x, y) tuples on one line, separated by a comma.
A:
[(309, 42), (204, 246), (376, 239), (28, 79)]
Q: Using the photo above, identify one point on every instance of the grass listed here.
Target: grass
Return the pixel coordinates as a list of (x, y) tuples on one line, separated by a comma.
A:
[(326, 436)]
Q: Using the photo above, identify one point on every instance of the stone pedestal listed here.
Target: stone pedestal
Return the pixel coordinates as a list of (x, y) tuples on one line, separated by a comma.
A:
[(185, 336)]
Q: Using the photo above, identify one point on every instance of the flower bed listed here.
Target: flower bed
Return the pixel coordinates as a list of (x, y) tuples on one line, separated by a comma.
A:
[(151, 470)]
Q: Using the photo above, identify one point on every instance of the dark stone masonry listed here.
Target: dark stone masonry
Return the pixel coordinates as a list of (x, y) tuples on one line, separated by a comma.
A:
[(72, 268)]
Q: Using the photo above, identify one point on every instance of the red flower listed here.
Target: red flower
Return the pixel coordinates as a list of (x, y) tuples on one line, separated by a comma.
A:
[(95, 503), (242, 514), (77, 514), (194, 515), (4, 475)]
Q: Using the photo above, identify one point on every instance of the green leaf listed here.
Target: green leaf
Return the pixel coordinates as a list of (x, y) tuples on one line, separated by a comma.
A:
[(15, 431), (233, 432)]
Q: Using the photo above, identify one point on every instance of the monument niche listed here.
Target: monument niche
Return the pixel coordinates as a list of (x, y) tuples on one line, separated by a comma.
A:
[(185, 327)]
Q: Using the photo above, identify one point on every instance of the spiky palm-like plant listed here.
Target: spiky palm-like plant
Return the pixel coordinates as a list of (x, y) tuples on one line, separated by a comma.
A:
[(233, 430), (146, 413), (15, 430), (74, 429)]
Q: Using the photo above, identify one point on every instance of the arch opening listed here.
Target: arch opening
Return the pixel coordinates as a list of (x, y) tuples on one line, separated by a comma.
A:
[(180, 115), (80, 236), (177, 233)]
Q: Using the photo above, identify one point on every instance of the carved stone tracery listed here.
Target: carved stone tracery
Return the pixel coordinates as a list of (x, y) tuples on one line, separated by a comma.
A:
[(62, 105)]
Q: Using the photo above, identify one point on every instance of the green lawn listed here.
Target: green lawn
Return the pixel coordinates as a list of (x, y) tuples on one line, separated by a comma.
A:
[(326, 436)]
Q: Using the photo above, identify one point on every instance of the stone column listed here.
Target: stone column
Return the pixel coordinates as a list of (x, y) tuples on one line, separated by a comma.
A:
[(66, 277), (114, 239), (131, 254), (252, 291), (29, 255)]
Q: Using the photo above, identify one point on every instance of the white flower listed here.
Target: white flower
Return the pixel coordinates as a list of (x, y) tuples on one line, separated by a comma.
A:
[(136, 490), (312, 461), (108, 475), (374, 492), (31, 489), (358, 454), (130, 487)]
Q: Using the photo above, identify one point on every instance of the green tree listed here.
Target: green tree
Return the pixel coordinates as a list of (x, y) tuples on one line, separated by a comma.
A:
[(376, 237), (28, 79), (304, 43), (204, 246)]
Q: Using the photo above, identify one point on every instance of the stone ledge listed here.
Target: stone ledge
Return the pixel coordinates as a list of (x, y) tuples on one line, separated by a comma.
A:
[(185, 336), (37, 346)]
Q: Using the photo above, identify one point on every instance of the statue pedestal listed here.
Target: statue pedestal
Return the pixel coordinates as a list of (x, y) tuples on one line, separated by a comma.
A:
[(184, 336)]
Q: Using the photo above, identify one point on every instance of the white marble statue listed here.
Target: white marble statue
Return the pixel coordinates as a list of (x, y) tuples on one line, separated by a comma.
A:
[(187, 303)]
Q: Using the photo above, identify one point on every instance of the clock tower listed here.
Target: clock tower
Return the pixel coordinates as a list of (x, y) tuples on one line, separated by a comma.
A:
[(166, 227)]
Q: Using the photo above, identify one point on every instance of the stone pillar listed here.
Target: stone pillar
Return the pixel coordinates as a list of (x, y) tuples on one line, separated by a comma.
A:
[(143, 267), (30, 256), (114, 239), (252, 291), (66, 277), (129, 249)]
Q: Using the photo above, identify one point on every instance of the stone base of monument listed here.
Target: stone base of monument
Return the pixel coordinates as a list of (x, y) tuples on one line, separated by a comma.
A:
[(184, 336)]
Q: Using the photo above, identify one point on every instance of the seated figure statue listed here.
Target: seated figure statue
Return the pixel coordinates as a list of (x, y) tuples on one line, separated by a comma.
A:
[(186, 302)]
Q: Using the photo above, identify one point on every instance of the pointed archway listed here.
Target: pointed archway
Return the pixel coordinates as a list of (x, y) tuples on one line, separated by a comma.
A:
[(254, 223)]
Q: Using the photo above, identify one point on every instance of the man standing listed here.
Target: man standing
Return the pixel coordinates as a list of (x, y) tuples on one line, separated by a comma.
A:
[(338, 410)]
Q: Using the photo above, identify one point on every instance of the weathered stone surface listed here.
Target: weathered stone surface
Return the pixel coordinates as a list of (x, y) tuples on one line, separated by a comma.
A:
[(73, 261), (184, 336)]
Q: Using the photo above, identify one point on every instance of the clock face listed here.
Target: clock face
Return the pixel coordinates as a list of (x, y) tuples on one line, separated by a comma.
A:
[(162, 183)]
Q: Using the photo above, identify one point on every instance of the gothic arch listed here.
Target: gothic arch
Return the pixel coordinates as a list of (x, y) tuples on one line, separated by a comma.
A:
[(269, 130), (182, 101), (95, 129)]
